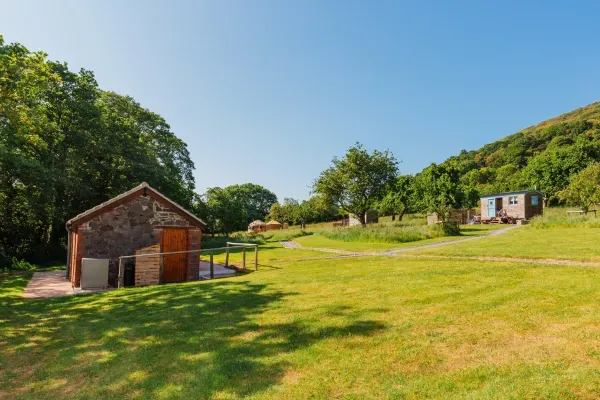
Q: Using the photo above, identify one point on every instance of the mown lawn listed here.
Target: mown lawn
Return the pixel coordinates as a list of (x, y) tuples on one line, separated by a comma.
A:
[(580, 244), (373, 327)]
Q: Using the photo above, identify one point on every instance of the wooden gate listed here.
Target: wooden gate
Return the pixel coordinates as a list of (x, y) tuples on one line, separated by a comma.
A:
[(174, 265)]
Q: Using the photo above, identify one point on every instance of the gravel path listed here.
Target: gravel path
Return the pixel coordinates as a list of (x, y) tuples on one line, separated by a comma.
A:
[(541, 261), (495, 232)]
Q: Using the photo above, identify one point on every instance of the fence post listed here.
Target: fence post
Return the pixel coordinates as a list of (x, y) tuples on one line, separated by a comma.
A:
[(121, 274), (244, 257), (256, 258), (212, 266), (227, 254)]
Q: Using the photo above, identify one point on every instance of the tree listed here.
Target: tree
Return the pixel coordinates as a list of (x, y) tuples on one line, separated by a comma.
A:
[(439, 190), (276, 212), (226, 208), (232, 208), (66, 146), (584, 188), (356, 182), (398, 200)]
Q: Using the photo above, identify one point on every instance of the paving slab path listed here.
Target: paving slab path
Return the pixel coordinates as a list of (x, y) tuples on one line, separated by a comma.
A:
[(47, 284), (220, 271)]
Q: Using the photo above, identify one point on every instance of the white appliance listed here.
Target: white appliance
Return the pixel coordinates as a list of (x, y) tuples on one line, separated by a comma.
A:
[(94, 273)]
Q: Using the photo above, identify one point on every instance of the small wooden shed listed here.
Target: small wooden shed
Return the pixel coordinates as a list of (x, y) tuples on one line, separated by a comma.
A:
[(139, 220), (523, 204), (273, 225)]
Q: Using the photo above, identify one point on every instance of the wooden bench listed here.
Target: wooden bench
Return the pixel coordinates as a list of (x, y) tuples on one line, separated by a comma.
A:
[(581, 212)]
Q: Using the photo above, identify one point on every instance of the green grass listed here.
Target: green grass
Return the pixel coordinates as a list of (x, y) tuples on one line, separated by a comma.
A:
[(318, 241), (382, 233), (378, 327), (557, 217), (569, 244)]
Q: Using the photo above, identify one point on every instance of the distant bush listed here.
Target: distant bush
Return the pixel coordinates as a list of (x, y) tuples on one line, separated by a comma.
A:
[(284, 234), (209, 242), (382, 233)]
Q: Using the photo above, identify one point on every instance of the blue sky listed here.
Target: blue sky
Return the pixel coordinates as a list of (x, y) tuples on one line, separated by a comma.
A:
[(269, 91)]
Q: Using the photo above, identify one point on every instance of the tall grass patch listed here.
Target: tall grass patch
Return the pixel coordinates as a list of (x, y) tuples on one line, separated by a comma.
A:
[(559, 218), (382, 233)]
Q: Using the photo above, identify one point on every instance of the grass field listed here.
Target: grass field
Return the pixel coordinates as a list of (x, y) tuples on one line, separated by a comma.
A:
[(369, 327), (309, 326), (563, 243)]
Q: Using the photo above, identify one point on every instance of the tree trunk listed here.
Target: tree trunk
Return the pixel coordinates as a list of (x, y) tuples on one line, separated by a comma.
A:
[(393, 217), (362, 217), (401, 215)]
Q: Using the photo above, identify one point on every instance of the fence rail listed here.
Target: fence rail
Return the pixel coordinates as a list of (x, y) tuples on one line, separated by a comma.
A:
[(228, 247)]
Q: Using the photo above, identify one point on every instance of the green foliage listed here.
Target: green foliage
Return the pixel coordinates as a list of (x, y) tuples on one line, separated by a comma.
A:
[(399, 199), (545, 156), (232, 208), (313, 210), (451, 228), (438, 189), (584, 188), (356, 182), (66, 146)]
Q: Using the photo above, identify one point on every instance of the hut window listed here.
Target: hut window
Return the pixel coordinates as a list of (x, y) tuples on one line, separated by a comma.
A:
[(534, 200), (512, 200)]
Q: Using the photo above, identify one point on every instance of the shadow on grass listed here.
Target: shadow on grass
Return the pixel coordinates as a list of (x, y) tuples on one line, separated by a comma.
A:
[(192, 340)]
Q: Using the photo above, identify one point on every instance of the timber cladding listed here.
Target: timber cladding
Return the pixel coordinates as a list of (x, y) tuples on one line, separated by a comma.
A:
[(147, 268)]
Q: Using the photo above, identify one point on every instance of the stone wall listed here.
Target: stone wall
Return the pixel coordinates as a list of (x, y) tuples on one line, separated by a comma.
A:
[(124, 229)]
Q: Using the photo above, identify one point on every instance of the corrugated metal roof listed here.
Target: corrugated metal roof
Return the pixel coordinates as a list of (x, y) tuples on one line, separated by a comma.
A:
[(511, 193)]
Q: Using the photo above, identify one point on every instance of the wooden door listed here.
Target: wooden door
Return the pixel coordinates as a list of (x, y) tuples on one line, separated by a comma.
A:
[(174, 265), (492, 208)]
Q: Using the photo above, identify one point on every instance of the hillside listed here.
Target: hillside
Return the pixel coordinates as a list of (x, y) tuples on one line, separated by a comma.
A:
[(543, 156)]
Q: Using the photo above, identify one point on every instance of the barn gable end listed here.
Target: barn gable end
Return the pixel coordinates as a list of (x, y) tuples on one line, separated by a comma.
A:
[(125, 224)]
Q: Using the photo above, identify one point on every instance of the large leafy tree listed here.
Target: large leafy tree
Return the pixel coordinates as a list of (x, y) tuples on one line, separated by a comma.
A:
[(584, 188), (438, 189), (356, 182), (233, 207), (66, 145), (399, 200)]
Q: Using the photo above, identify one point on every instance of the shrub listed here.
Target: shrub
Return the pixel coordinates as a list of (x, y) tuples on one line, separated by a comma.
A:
[(451, 228), (22, 265)]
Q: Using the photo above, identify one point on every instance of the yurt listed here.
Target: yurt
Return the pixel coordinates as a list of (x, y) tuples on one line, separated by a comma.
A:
[(257, 226), (271, 225)]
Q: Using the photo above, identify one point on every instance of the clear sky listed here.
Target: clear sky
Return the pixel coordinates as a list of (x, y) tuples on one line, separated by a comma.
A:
[(269, 91)]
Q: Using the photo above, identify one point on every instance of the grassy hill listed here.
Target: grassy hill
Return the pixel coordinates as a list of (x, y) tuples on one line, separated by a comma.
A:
[(543, 156)]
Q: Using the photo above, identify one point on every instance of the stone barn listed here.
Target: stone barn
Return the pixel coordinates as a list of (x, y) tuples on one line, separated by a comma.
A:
[(131, 223)]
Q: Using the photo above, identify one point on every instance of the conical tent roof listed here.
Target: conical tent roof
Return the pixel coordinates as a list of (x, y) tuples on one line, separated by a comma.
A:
[(258, 222), (273, 223)]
